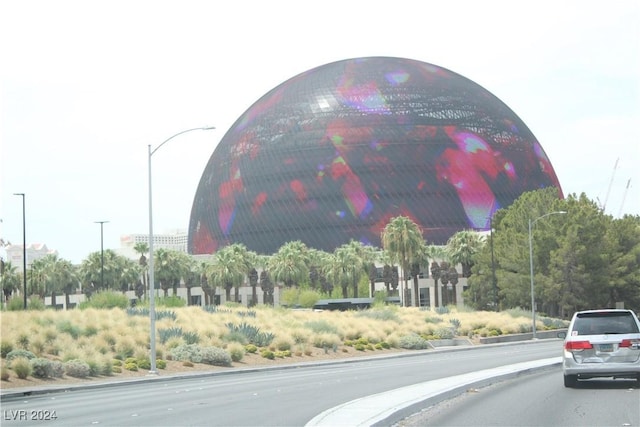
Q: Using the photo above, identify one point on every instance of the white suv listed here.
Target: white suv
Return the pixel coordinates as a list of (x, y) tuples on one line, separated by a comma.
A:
[(601, 343)]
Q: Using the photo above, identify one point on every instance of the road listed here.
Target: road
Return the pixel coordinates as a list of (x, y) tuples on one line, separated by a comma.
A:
[(539, 399), (271, 397)]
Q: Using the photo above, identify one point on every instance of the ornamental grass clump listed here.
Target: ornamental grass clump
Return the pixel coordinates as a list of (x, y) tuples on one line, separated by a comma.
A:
[(22, 367), (236, 351), (5, 348)]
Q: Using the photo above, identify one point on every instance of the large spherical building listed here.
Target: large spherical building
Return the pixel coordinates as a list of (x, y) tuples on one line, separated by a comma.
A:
[(331, 155)]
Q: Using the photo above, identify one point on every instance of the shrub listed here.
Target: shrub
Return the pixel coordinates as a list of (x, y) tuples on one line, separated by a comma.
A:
[(268, 354), (308, 298), (77, 368), (41, 367), (106, 300), (282, 354), (172, 301), (132, 366), (22, 367), (57, 369), (35, 304), (215, 356), (14, 354), (413, 342), (188, 352), (236, 351), (144, 363), (444, 333), (4, 374), (161, 364), (187, 363), (5, 348), (15, 304), (250, 348), (289, 297)]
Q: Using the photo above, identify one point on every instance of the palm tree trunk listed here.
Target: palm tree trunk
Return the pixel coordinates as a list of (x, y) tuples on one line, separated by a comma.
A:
[(435, 293)]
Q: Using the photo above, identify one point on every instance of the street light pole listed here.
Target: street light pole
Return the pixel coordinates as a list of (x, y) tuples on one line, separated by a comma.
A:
[(24, 250), (152, 304), (533, 303), (101, 252)]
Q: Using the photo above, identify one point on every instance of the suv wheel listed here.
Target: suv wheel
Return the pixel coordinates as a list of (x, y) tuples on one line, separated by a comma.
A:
[(570, 380)]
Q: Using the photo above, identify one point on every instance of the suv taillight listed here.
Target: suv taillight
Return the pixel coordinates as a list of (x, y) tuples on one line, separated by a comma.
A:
[(577, 345), (630, 343)]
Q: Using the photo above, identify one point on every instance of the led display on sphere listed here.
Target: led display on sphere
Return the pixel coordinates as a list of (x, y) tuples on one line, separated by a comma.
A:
[(333, 154)]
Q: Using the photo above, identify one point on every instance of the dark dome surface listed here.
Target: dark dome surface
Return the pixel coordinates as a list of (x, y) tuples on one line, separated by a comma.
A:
[(332, 154)]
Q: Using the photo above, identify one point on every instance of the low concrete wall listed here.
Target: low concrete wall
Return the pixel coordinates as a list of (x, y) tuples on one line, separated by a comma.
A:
[(521, 337), (450, 342)]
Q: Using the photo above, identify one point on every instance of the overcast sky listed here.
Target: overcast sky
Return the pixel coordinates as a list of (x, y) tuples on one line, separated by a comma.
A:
[(87, 86)]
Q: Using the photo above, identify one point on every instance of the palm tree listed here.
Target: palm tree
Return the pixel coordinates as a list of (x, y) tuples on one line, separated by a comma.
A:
[(345, 266), (10, 279), (353, 258), (207, 287), (143, 248), (169, 269), (403, 240), (126, 273), (53, 275), (227, 269), (421, 259), (192, 275), (462, 248), (290, 264), (435, 273)]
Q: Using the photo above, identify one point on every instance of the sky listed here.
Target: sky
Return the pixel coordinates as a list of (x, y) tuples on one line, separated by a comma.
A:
[(87, 86)]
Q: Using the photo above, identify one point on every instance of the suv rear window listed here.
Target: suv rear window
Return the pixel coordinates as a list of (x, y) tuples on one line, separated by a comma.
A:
[(605, 323)]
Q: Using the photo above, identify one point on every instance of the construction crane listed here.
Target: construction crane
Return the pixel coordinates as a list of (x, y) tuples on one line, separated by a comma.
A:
[(613, 174), (624, 196)]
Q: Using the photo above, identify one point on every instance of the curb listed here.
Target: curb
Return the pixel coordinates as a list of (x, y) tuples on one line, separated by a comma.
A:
[(388, 408)]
